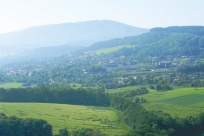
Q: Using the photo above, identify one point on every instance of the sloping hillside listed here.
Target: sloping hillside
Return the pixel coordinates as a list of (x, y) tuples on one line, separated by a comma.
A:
[(174, 41)]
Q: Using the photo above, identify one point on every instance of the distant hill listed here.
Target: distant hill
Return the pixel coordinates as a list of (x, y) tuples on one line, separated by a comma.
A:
[(73, 34), (160, 42), (41, 53)]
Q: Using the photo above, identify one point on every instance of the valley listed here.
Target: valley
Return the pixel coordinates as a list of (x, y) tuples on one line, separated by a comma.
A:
[(147, 84)]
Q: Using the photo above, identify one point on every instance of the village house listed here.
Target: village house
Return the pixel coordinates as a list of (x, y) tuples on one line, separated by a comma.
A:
[(164, 64)]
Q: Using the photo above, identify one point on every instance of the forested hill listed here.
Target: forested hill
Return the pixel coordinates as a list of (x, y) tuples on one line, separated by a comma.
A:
[(79, 33), (198, 30), (175, 41)]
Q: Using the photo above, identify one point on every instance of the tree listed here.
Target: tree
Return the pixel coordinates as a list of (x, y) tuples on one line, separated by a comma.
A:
[(63, 132), (158, 87), (151, 87), (136, 100)]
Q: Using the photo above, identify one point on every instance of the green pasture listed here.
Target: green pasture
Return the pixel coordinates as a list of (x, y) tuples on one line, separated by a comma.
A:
[(180, 102), (145, 65), (128, 88), (185, 100), (113, 49), (10, 85), (72, 117)]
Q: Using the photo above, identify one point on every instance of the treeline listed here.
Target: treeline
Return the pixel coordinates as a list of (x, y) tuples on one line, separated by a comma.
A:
[(198, 30), (191, 68), (80, 132), (156, 123), (162, 87), (13, 126), (45, 94), (86, 132)]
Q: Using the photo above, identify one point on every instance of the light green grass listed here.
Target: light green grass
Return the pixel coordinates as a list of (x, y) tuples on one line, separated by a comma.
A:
[(180, 102), (113, 49), (128, 88), (10, 85), (72, 117)]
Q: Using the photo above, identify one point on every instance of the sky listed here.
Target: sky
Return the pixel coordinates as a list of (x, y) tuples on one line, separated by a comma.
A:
[(20, 14)]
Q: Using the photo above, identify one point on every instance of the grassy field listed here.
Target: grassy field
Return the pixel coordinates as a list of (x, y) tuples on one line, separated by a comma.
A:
[(185, 100), (180, 102), (113, 49), (72, 117), (10, 85), (128, 88)]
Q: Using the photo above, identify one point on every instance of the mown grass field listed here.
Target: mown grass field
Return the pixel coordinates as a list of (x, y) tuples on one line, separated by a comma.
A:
[(10, 85), (72, 117), (180, 102)]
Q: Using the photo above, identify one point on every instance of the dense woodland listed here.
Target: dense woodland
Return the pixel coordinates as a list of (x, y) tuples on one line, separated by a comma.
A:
[(62, 95), (13, 126)]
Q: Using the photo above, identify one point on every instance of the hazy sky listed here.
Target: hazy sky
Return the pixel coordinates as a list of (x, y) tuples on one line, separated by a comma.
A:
[(20, 14)]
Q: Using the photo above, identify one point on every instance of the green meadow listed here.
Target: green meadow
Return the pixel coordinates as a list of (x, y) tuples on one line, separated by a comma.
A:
[(72, 117), (10, 85), (113, 49), (180, 102)]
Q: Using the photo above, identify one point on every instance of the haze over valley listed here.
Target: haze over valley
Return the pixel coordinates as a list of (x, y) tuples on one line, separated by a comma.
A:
[(101, 68)]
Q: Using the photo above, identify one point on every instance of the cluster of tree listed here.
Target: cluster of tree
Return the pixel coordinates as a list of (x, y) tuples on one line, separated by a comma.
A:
[(133, 93), (82, 73), (47, 94), (87, 132), (163, 87), (4, 78), (191, 68), (13, 126), (138, 100), (80, 132), (156, 123)]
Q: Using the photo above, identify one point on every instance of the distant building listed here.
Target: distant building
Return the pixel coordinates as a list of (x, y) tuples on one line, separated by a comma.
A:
[(164, 64)]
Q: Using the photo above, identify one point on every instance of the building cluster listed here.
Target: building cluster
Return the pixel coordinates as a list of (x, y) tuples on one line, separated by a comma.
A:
[(12, 72)]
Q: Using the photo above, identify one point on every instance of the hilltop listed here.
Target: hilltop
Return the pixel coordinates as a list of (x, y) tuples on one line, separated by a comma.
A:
[(72, 34)]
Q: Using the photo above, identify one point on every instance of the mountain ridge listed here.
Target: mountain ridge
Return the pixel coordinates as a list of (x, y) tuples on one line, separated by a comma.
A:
[(79, 33)]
